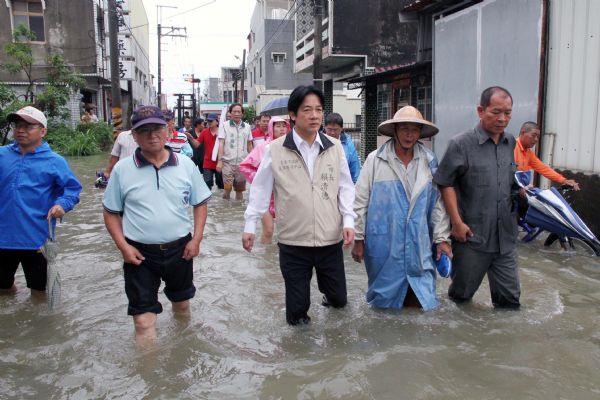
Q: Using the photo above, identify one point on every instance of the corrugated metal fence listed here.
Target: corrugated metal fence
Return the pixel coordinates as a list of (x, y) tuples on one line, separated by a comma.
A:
[(572, 113)]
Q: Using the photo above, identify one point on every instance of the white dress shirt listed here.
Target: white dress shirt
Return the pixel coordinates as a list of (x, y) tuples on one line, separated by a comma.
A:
[(262, 185)]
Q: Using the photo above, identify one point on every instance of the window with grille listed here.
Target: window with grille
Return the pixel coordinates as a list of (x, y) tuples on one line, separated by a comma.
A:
[(31, 14), (424, 101), (383, 103), (278, 58)]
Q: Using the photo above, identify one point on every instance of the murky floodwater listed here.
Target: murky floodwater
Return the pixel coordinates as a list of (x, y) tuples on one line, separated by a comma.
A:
[(237, 345)]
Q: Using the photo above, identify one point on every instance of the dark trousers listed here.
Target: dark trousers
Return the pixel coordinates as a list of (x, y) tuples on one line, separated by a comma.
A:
[(296, 263), (143, 281), (470, 267), (211, 176), (34, 266)]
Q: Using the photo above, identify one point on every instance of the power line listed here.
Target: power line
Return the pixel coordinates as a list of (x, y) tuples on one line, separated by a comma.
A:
[(183, 12)]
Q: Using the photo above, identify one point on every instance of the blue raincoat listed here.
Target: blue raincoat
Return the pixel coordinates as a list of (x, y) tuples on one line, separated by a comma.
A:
[(351, 156), (399, 230), (30, 185)]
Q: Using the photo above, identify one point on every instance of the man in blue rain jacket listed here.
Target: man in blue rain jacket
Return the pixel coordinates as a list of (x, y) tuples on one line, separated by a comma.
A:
[(36, 185), (334, 127), (400, 215)]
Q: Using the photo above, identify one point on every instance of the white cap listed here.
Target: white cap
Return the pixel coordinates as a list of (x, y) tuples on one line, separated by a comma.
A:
[(29, 114)]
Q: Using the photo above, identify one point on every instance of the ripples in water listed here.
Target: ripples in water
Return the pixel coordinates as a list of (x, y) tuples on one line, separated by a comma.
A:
[(236, 343)]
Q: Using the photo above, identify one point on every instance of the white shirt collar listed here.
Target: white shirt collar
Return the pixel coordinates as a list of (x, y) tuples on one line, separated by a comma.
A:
[(298, 140)]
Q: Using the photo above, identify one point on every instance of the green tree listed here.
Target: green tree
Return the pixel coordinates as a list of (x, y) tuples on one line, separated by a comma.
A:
[(22, 56), (249, 114), (8, 103), (62, 81)]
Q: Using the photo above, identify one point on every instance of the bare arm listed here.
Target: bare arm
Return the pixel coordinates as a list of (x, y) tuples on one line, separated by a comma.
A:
[(111, 164), (114, 226), (193, 142), (220, 155), (192, 249)]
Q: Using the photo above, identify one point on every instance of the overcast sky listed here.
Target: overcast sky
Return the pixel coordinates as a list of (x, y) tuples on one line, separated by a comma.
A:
[(216, 31)]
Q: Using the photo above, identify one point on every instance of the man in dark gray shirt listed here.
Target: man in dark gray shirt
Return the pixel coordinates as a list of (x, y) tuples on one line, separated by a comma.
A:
[(477, 185)]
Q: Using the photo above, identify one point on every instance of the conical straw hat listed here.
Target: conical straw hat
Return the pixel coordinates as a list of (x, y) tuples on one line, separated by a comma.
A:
[(408, 114)]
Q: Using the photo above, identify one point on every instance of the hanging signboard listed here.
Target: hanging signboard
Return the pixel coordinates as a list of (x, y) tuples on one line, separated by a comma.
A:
[(126, 70), (124, 23), (124, 46)]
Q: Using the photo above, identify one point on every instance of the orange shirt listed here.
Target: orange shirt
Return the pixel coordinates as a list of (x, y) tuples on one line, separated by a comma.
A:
[(526, 160)]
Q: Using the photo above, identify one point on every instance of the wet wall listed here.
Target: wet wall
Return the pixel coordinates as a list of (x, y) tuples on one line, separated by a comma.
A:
[(61, 19), (386, 36)]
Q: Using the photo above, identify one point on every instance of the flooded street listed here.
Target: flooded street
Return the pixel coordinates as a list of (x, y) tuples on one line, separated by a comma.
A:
[(237, 345)]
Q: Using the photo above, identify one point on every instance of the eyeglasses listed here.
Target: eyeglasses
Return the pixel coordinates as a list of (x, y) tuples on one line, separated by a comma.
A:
[(24, 125), (147, 130)]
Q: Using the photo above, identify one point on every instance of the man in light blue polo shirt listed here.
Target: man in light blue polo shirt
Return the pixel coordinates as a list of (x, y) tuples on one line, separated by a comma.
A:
[(146, 213)]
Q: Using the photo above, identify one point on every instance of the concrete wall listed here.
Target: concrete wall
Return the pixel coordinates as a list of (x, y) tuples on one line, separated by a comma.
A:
[(386, 37), (214, 93), (69, 29), (142, 86), (281, 76), (347, 107), (268, 80)]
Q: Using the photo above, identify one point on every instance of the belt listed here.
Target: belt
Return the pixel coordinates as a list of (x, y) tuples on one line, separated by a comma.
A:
[(162, 246)]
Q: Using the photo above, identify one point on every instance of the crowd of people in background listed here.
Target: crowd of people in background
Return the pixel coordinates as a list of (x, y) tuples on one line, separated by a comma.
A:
[(400, 213)]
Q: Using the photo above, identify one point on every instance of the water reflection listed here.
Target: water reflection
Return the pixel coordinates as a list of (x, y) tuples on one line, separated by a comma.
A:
[(236, 343)]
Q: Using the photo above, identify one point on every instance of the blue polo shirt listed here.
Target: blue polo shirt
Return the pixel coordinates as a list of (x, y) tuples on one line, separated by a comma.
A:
[(155, 201)]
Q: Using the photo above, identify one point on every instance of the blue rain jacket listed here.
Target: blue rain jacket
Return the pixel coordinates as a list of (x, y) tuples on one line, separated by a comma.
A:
[(399, 231), (351, 156), (30, 185)]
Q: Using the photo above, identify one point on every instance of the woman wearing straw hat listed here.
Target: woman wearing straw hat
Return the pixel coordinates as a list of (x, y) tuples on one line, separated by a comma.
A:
[(400, 215)]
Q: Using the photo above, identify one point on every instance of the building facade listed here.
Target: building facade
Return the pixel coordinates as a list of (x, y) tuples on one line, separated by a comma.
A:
[(230, 85), (545, 52), (379, 61), (270, 59), (78, 31)]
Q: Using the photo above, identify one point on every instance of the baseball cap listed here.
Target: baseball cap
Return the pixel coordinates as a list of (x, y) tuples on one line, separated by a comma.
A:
[(168, 115), (29, 114), (212, 117), (147, 115)]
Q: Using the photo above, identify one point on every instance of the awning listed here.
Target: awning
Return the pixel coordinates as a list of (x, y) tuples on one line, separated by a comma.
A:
[(385, 74)]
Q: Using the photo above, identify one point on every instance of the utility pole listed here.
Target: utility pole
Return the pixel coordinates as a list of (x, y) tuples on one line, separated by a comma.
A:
[(236, 98), (318, 45), (193, 80), (115, 74), (171, 32), (243, 71)]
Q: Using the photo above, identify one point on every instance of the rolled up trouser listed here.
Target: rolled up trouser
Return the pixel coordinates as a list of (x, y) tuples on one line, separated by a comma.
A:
[(232, 177)]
